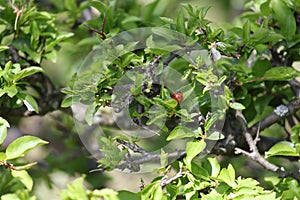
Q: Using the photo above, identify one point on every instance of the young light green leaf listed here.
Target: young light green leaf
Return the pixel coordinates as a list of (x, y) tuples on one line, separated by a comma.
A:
[(76, 190), (163, 158), (152, 191), (27, 72), (105, 193), (214, 135), (231, 172), (237, 106), (295, 134), (24, 167), (212, 119), (22, 145), (2, 156), (3, 129), (24, 177), (227, 177), (31, 104), (283, 148), (215, 166), (67, 102), (193, 148), (90, 114), (3, 47), (180, 132), (11, 90), (10, 196), (170, 103)]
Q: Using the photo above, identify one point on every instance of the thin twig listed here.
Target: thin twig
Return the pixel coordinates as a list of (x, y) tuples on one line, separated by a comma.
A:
[(101, 33), (254, 153), (149, 158), (165, 181), (133, 147)]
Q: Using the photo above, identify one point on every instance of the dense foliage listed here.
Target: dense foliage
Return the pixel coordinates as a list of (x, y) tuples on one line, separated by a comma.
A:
[(213, 110)]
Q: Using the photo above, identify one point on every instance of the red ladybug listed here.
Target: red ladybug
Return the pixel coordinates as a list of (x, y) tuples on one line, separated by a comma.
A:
[(178, 96)]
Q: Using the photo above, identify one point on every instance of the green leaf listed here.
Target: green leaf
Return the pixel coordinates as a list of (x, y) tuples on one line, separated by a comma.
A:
[(158, 192), (167, 20), (285, 17), (203, 12), (113, 155), (262, 35), (215, 135), (22, 145), (24, 177), (260, 67), (125, 195), (265, 8), (67, 102), (281, 74), (199, 171), (215, 166), (3, 47), (212, 119), (295, 134), (180, 132), (105, 193), (283, 148), (231, 172), (170, 103), (193, 148), (70, 4), (152, 191), (29, 102), (61, 37), (2, 156), (246, 31), (90, 113), (157, 119), (11, 90), (227, 175), (163, 158), (76, 190), (3, 129), (166, 33), (237, 106), (181, 22), (24, 167), (10, 197), (27, 72)]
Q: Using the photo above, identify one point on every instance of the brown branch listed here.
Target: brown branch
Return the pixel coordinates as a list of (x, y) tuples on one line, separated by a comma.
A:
[(101, 33), (165, 180), (133, 147), (275, 117), (254, 153)]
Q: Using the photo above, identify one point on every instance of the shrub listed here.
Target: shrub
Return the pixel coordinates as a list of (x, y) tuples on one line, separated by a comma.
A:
[(191, 100)]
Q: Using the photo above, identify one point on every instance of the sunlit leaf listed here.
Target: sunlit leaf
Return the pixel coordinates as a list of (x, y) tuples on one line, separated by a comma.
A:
[(24, 177), (22, 145)]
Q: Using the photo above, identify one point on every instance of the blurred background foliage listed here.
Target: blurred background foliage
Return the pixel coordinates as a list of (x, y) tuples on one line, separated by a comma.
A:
[(65, 157)]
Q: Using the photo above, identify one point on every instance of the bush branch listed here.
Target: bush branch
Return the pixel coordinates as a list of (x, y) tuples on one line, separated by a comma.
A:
[(254, 153), (165, 180), (273, 118), (146, 156)]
